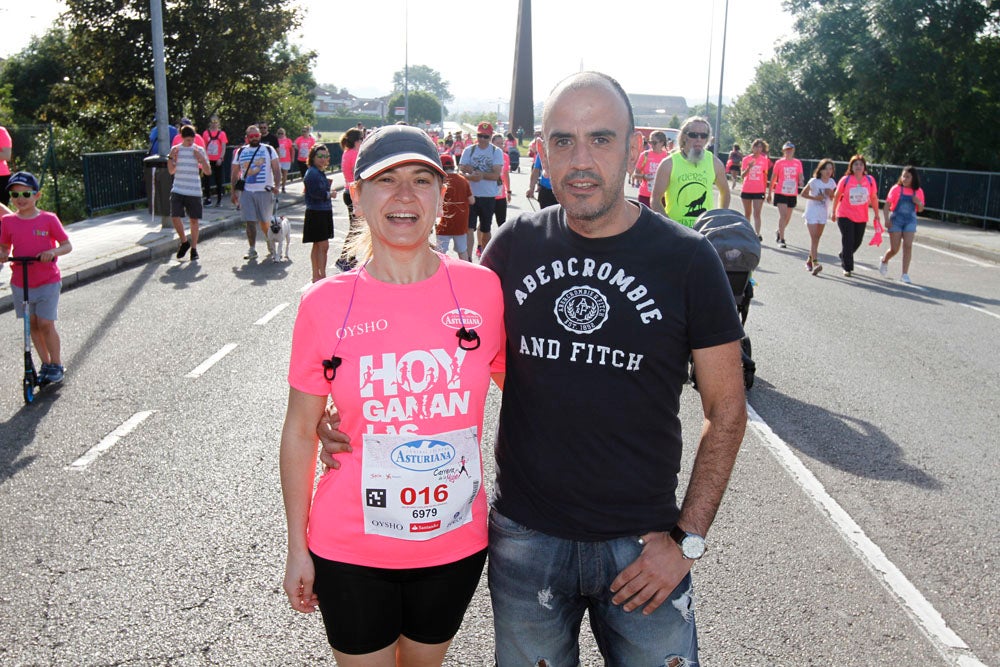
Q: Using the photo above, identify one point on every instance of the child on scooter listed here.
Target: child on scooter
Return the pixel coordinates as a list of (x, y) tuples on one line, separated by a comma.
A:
[(35, 233)]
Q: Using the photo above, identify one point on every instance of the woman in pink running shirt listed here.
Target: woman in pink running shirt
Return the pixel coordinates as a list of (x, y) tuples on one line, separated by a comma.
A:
[(645, 166), (856, 193), (392, 545), (286, 150), (754, 172), (786, 180)]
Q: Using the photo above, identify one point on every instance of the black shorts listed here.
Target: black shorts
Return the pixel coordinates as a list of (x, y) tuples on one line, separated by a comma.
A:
[(546, 197), (318, 226), (482, 211), (366, 609), (787, 200), (180, 203), (751, 195)]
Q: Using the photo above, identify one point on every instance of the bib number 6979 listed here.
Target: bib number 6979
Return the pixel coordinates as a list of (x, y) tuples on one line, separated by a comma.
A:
[(409, 496)]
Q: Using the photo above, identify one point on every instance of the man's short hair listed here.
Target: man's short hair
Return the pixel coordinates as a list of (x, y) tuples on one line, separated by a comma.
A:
[(188, 131), (585, 80)]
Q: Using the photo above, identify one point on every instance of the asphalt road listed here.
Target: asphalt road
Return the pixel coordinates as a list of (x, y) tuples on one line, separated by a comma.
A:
[(168, 548)]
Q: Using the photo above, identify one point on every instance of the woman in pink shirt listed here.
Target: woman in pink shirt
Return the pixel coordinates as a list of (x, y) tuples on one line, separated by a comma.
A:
[(286, 149), (645, 166), (754, 172), (786, 179), (905, 201), (392, 545), (856, 193), (349, 143)]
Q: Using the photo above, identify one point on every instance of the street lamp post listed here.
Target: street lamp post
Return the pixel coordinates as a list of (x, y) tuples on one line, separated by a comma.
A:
[(722, 71), (406, 62)]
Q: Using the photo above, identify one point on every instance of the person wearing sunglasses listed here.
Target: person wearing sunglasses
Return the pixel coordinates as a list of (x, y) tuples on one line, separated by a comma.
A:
[(682, 188), (31, 232), (256, 172)]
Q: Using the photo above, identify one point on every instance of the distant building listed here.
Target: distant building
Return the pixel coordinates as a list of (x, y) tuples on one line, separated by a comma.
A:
[(333, 103), (657, 110)]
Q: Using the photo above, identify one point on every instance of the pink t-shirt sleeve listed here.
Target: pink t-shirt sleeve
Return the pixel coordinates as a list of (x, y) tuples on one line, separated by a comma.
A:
[(893, 197), (5, 142)]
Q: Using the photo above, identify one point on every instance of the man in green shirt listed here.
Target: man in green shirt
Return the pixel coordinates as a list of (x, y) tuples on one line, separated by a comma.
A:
[(682, 188)]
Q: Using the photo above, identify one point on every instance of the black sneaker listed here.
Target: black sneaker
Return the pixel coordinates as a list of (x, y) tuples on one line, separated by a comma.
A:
[(782, 243), (182, 250), (208, 200), (194, 254)]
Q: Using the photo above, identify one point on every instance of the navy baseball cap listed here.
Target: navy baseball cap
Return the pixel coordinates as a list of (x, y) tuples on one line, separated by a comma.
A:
[(24, 178), (392, 145)]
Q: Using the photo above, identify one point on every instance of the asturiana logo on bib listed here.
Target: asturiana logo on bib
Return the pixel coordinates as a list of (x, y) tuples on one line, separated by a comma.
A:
[(470, 318), (582, 309), (423, 455)]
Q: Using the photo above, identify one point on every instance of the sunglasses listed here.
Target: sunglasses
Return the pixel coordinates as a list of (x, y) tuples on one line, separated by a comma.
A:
[(27, 194), (483, 136), (697, 135), (319, 155), (253, 136)]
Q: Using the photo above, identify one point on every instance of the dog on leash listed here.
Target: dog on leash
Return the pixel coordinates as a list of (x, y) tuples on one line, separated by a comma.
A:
[(279, 232)]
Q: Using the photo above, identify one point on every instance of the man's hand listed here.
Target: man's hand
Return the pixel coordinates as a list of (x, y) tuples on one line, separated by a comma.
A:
[(652, 577), (334, 441)]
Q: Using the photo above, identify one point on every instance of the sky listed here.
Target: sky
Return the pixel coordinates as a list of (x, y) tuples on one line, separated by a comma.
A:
[(653, 48)]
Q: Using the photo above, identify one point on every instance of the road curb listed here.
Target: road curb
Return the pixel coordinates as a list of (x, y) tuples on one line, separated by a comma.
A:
[(978, 252)]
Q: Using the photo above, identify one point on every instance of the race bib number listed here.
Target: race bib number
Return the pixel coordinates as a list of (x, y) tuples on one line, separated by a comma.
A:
[(282, 153), (788, 186), (303, 152), (213, 147), (858, 195), (419, 487), (754, 174)]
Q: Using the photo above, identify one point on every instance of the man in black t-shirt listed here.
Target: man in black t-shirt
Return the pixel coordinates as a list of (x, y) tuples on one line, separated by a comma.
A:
[(603, 304)]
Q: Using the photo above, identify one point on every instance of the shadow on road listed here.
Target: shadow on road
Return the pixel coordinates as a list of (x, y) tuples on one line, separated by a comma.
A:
[(850, 444), (183, 275), (19, 432)]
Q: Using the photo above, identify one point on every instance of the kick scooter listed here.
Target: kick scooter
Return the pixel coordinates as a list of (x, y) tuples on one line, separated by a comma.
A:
[(31, 380)]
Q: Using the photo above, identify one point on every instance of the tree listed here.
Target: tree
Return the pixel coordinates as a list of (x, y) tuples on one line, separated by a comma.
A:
[(422, 77), (30, 75), (904, 80), (423, 107), (228, 58), (775, 109)]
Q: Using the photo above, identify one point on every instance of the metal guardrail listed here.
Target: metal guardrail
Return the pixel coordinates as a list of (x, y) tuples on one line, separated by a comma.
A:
[(113, 179), (969, 194), (117, 179)]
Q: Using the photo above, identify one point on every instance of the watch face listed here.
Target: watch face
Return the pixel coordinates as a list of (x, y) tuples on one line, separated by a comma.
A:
[(693, 546)]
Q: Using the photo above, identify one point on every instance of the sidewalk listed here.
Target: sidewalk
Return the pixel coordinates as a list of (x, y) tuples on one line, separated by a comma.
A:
[(111, 243)]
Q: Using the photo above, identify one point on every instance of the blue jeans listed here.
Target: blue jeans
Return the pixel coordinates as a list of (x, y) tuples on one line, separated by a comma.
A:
[(541, 585)]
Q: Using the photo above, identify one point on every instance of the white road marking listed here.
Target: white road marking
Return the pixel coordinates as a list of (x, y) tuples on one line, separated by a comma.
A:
[(211, 361), (928, 619), (980, 310), (110, 440), (955, 255), (271, 315)]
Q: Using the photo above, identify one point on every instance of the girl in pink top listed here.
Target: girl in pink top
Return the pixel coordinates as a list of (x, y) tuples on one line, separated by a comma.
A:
[(856, 192), (286, 150), (392, 545), (754, 172), (905, 201), (645, 166), (302, 144)]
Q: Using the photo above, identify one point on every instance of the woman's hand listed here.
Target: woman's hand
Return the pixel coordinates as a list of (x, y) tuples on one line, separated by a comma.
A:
[(300, 574)]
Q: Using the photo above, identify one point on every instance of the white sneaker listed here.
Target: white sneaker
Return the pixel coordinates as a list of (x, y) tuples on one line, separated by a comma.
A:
[(906, 278), (251, 254), (883, 268)]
